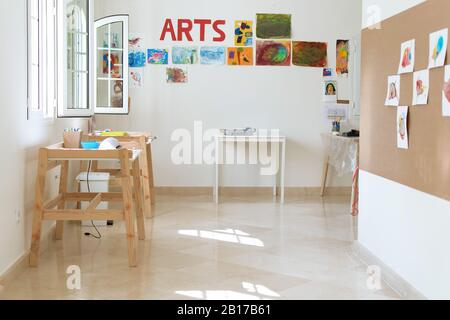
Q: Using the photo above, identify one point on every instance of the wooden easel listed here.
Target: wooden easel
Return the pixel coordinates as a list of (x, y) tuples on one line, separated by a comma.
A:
[(54, 156)]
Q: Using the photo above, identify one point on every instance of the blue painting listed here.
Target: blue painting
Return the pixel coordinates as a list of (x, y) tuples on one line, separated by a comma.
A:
[(137, 59), (158, 56), (212, 55), (184, 55)]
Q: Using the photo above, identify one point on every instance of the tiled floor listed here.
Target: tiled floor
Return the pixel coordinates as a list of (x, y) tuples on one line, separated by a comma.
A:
[(249, 248)]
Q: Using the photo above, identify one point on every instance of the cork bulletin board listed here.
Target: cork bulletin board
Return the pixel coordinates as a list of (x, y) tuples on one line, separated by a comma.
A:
[(425, 166)]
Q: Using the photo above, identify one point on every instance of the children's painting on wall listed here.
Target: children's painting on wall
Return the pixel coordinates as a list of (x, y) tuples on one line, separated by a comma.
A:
[(438, 48), (407, 57), (240, 56), (158, 56), (273, 53), (243, 33), (402, 128), (136, 54), (212, 55), (421, 85), (176, 75), (136, 77), (342, 57), (184, 55), (393, 91), (111, 66), (309, 54), (273, 26), (446, 93), (327, 72), (330, 91)]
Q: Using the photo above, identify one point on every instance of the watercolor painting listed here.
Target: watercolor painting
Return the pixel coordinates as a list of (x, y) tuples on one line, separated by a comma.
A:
[(243, 33), (273, 26), (421, 86), (393, 91), (273, 53), (309, 54), (114, 63), (240, 56), (342, 57), (438, 48), (330, 91), (184, 55), (176, 75), (136, 51), (213, 55), (446, 93), (158, 56), (407, 57), (136, 77), (402, 128), (327, 72)]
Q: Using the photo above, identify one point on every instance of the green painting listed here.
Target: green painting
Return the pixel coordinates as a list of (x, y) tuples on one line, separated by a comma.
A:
[(273, 26), (310, 54)]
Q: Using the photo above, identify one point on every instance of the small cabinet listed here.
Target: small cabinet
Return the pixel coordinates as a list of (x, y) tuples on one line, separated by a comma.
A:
[(111, 65)]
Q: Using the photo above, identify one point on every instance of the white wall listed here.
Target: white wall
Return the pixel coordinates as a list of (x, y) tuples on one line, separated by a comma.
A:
[(282, 98), (21, 138), (387, 9), (407, 229)]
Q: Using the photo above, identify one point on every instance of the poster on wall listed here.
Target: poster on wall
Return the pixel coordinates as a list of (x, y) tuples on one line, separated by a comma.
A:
[(310, 54), (242, 56), (212, 55), (438, 48), (421, 86), (184, 55), (273, 26), (273, 53), (136, 77), (177, 75), (342, 57), (407, 57), (446, 93), (158, 56), (327, 72), (136, 51), (243, 33), (393, 91), (402, 128), (330, 91)]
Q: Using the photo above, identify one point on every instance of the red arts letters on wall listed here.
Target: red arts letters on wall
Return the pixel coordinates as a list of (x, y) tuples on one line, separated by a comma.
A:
[(183, 30)]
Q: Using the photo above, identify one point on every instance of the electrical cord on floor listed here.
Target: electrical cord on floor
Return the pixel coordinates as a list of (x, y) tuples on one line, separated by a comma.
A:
[(88, 234)]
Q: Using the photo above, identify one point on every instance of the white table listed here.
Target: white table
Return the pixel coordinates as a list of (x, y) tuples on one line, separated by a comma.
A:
[(258, 139)]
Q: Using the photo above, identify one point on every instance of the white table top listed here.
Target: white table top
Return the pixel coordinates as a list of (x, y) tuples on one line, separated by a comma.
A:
[(255, 138)]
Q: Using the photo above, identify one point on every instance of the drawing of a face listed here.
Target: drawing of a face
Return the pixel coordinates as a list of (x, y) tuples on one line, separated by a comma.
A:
[(392, 91), (402, 127), (331, 90), (420, 88)]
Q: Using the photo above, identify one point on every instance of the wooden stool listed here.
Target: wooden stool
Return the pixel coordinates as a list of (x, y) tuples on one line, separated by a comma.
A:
[(54, 156)]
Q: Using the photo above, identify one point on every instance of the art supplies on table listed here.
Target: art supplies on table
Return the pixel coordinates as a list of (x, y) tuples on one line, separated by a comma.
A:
[(72, 138)]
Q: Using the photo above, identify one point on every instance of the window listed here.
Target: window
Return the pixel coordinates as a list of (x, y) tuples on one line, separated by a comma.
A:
[(42, 57)]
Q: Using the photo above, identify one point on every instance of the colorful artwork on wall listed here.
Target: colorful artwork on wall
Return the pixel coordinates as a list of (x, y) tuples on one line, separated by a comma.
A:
[(438, 48), (421, 86), (177, 75), (310, 54), (212, 55), (243, 33), (184, 55), (446, 93), (113, 63), (273, 26), (402, 128), (407, 57), (136, 51), (136, 77), (240, 56), (342, 56), (327, 72), (330, 91), (158, 56), (273, 53), (393, 91)]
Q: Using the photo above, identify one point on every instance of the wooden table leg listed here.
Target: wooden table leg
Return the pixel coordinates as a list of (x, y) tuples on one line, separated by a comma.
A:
[(38, 207), (139, 201), (62, 191), (326, 167), (147, 176), (128, 207)]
